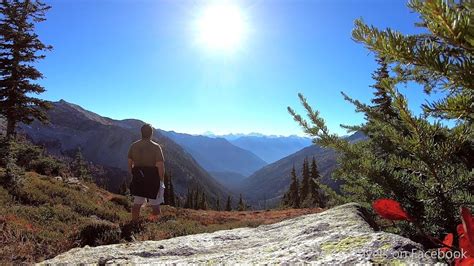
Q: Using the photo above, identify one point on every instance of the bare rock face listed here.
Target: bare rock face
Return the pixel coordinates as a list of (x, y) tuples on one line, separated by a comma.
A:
[(337, 236)]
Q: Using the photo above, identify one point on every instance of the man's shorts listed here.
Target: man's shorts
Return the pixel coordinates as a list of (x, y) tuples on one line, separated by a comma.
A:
[(137, 200)]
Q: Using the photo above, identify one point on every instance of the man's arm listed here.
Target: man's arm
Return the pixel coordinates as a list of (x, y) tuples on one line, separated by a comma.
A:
[(161, 169), (130, 159), (130, 165), (160, 163)]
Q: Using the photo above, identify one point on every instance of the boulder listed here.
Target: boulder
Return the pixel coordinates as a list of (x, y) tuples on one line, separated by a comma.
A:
[(73, 180), (341, 235)]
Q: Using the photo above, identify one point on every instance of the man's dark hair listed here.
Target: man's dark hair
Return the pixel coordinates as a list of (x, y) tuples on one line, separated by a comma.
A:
[(147, 130)]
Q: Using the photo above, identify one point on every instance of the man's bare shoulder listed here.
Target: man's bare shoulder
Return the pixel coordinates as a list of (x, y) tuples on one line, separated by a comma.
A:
[(159, 151), (156, 144), (135, 143)]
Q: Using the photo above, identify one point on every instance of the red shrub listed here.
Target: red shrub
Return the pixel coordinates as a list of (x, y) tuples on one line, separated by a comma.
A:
[(392, 210)]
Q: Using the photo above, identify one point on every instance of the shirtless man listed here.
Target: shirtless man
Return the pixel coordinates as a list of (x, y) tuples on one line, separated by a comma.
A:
[(146, 152)]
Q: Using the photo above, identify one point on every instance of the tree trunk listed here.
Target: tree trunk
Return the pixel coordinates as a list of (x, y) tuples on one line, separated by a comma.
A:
[(11, 126)]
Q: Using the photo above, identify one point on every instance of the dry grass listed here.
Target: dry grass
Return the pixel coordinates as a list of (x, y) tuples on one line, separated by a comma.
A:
[(222, 217)]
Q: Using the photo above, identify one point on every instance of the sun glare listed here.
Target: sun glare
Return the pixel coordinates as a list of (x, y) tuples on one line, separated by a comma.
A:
[(221, 27)]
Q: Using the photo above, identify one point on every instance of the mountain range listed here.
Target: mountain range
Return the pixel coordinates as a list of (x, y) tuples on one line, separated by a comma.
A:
[(267, 185), (221, 166), (272, 148), (217, 154)]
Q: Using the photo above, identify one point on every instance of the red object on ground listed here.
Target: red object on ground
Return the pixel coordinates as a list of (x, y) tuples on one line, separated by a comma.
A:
[(152, 218), (466, 232), (448, 241), (469, 261), (390, 209)]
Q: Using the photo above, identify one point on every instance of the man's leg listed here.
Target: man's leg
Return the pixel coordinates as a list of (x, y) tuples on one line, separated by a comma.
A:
[(137, 204), (156, 209), (136, 211), (155, 205)]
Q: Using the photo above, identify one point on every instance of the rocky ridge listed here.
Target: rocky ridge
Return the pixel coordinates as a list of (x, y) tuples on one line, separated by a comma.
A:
[(342, 235)]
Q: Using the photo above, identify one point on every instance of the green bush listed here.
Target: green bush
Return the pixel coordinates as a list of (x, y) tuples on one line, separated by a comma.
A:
[(104, 211), (26, 153), (30, 157), (8, 156), (5, 197), (47, 166), (182, 227), (47, 214), (23, 151), (37, 191), (96, 233), (31, 196), (132, 228), (122, 201)]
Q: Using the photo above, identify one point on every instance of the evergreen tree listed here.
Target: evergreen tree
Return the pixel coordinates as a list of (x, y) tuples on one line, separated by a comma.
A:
[(172, 197), (285, 201), (79, 167), (124, 189), (415, 160), (203, 203), (293, 197), (196, 200), (169, 196), (20, 48), (241, 206), (305, 184), (178, 202), (382, 100), (315, 186), (228, 206), (188, 204), (218, 204)]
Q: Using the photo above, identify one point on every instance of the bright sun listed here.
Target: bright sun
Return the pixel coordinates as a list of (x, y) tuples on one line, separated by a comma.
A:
[(221, 27)]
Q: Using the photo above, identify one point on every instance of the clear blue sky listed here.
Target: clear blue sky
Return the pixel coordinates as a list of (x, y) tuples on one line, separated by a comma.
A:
[(139, 59)]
